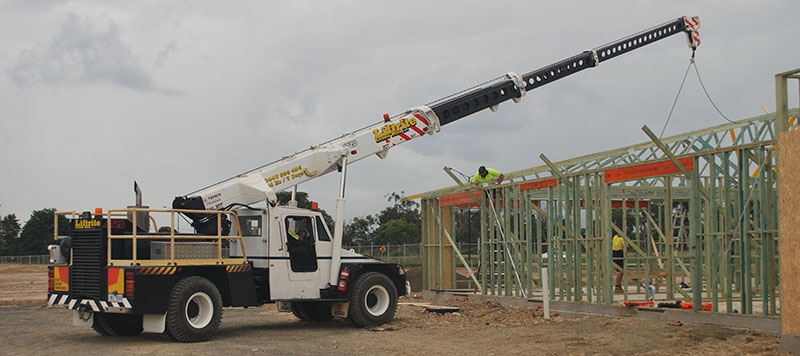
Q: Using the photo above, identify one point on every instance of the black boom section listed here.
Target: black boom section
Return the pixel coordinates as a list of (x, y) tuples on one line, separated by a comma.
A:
[(558, 70), (640, 39), (472, 102), (482, 98)]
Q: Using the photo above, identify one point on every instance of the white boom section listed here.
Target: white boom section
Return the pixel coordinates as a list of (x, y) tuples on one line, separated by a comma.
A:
[(260, 183)]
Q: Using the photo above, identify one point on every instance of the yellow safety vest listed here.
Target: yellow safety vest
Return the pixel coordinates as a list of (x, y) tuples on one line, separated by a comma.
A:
[(492, 175), (293, 234), (618, 244)]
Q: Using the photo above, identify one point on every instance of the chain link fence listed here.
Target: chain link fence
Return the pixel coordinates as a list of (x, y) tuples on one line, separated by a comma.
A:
[(408, 254), (404, 254), (26, 260)]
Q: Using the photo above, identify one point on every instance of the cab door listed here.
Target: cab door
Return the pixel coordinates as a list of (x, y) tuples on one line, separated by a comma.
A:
[(301, 241)]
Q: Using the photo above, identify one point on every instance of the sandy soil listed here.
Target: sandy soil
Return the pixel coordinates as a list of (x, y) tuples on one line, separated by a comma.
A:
[(23, 284), (486, 328)]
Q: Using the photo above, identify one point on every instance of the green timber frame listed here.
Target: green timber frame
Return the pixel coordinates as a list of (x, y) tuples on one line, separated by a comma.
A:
[(698, 212)]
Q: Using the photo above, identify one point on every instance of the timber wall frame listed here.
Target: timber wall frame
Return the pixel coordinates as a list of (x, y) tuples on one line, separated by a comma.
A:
[(704, 203)]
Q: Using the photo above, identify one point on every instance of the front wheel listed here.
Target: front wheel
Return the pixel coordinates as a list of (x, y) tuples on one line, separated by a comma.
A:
[(373, 300), (195, 310)]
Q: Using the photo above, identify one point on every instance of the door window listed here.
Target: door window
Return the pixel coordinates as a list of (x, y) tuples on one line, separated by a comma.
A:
[(322, 234), (300, 243), (251, 225)]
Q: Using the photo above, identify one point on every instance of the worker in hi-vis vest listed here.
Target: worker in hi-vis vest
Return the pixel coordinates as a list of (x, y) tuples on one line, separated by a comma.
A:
[(618, 246), (295, 235), (487, 175)]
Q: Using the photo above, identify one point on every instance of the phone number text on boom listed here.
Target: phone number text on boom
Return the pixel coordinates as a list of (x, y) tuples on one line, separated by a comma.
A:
[(285, 176)]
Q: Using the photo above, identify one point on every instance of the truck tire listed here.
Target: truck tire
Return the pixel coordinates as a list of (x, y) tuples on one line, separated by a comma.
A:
[(109, 324), (314, 311), (194, 311), (373, 300), (98, 327), (166, 336), (299, 312)]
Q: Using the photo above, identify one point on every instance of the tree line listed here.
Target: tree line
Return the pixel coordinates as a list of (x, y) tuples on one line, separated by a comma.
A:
[(33, 237), (398, 223)]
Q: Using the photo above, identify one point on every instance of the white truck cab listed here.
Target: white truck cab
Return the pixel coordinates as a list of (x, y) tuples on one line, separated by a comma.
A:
[(293, 245)]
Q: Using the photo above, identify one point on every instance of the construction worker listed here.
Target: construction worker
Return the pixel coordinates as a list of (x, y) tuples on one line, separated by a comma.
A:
[(295, 235), (487, 175), (617, 255)]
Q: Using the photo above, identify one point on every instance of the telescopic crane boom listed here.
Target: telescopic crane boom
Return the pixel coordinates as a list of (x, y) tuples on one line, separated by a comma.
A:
[(261, 183), (120, 278)]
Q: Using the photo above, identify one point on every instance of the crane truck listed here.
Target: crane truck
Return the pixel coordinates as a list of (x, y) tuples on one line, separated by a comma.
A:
[(122, 276)]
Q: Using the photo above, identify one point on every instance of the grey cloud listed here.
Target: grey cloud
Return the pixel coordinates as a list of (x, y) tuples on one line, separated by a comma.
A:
[(28, 6), (172, 46), (83, 53)]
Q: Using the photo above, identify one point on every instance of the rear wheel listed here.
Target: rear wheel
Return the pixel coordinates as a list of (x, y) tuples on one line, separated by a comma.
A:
[(373, 300), (299, 312), (315, 311), (98, 327), (111, 324), (195, 310)]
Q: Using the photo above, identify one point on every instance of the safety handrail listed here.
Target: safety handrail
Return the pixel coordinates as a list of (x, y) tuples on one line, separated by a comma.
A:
[(75, 214), (173, 237)]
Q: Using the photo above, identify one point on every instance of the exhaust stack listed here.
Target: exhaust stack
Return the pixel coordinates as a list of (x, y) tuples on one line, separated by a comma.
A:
[(142, 217)]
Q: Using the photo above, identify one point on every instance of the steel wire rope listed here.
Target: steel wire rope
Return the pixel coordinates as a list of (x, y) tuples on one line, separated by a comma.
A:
[(691, 61), (705, 91), (466, 177), (709, 96)]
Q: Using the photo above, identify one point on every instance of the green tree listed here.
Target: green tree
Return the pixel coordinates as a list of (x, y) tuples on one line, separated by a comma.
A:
[(38, 232), (400, 208), (397, 231), (305, 203), (9, 232), (390, 230), (364, 230), (359, 230)]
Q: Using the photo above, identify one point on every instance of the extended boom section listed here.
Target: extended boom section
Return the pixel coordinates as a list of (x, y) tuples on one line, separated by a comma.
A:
[(512, 88)]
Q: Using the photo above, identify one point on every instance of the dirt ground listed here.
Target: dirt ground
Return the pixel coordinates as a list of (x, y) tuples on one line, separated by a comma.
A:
[(488, 328), (22, 285)]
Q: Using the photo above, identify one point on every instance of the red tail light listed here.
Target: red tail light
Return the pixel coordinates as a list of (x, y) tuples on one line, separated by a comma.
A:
[(129, 284), (51, 281), (343, 279)]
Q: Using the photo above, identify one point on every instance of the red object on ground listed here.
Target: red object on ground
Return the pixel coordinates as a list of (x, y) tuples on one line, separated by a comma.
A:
[(639, 304), (690, 306)]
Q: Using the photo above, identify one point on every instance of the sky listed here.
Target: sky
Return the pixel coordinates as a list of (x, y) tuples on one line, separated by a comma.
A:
[(178, 95)]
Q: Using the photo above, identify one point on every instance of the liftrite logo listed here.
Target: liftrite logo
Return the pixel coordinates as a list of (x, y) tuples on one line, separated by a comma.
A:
[(87, 224), (391, 130)]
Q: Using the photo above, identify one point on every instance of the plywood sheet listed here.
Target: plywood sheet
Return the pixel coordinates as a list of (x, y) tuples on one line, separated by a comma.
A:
[(789, 210)]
